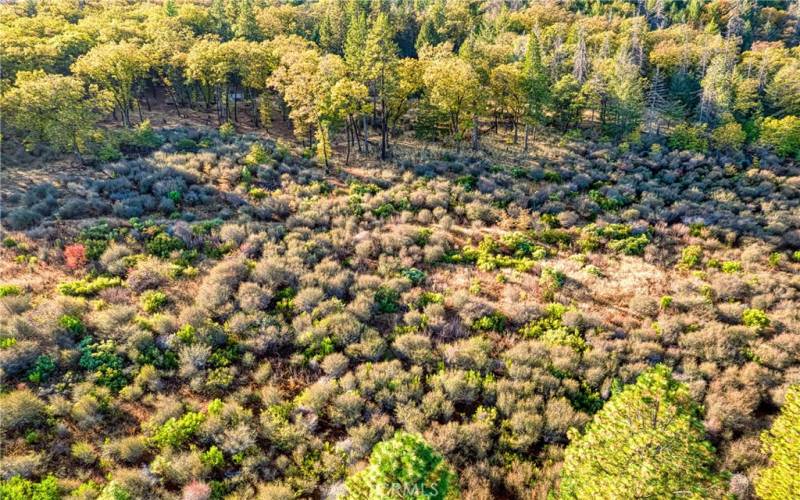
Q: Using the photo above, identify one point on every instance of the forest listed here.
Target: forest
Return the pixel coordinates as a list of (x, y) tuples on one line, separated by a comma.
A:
[(399, 249)]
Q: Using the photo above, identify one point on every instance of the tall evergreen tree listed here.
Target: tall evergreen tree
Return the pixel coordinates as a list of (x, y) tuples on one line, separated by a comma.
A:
[(780, 480), (535, 84), (381, 59), (646, 442)]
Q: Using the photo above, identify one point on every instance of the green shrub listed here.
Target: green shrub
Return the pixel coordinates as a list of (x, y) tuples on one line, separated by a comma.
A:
[(257, 155), (387, 300), (87, 287), (9, 290), (186, 145), (163, 244), (42, 369), (213, 457), (550, 329), (17, 488), (686, 137), (226, 131), (691, 256), (494, 322), (729, 136), (755, 318), (731, 266), (101, 359), (153, 300), (72, 324), (415, 275), (177, 431), (404, 467), (633, 245)]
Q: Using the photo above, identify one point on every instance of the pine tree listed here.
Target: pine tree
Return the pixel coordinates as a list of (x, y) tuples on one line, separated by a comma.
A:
[(780, 480), (404, 467), (646, 442), (381, 59), (535, 84), (246, 26)]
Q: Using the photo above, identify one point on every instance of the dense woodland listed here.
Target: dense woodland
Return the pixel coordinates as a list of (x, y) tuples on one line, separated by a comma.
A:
[(372, 249)]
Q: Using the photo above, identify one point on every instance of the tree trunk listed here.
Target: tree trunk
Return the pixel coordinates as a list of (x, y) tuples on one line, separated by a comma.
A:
[(366, 135), (383, 129), (349, 141), (527, 128), (475, 143)]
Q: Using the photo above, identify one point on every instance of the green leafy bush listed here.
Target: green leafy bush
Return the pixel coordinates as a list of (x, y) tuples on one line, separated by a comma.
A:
[(153, 300), (162, 244), (9, 290), (42, 369), (18, 488), (177, 431), (387, 300), (633, 245), (494, 322), (101, 359), (88, 287), (755, 318), (691, 256), (550, 329)]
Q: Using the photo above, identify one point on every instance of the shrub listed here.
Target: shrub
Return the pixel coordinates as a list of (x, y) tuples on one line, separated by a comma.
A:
[(21, 409), (83, 452), (622, 454), (163, 244), (387, 300), (75, 256), (42, 369), (257, 155), (782, 135), (22, 218), (102, 360), (404, 467), (731, 266), (226, 131), (9, 290), (177, 431), (755, 318), (18, 488), (633, 245), (781, 442), (494, 322), (691, 256), (88, 287), (213, 458), (687, 137), (152, 300)]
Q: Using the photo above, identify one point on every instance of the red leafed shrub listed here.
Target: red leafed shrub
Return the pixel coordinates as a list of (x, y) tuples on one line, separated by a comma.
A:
[(75, 255)]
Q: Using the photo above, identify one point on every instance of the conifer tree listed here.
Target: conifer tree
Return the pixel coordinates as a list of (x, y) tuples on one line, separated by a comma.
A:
[(780, 479), (647, 442)]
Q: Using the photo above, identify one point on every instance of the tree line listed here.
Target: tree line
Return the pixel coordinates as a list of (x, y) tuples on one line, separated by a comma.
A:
[(723, 73)]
